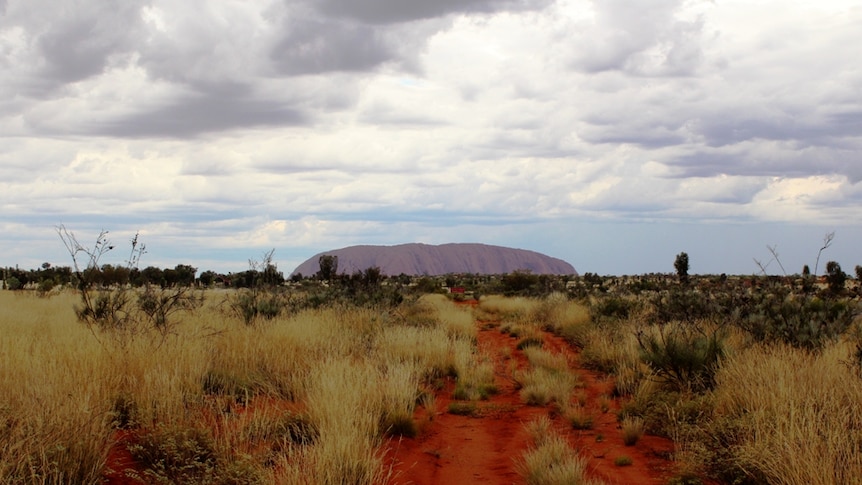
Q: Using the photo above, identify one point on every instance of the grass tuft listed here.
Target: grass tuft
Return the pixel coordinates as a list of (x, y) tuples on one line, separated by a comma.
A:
[(633, 430)]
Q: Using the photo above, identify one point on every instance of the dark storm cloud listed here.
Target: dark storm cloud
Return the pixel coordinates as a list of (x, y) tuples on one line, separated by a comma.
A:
[(355, 36), (312, 46), (78, 46), (204, 112), (70, 42), (775, 161), (735, 127), (395, 11)]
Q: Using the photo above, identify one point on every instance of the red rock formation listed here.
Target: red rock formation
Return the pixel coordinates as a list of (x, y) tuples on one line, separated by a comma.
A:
[(425, 259)]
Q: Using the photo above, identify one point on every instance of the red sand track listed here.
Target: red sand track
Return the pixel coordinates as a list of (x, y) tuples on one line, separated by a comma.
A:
[(452, 450), (484, 449)]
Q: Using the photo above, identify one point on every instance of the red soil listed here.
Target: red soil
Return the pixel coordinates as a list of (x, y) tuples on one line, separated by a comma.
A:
[(485, 448), (120, 461)]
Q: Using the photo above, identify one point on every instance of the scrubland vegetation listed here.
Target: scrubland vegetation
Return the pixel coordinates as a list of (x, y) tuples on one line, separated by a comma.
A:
[(757, 380), (305, 398)]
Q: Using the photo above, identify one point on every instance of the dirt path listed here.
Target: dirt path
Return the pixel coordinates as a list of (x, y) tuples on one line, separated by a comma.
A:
[(484, 448)]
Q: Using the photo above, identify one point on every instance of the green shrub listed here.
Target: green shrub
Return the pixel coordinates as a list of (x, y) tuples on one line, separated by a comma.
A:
[(685, 305), (612, 308), (683, 355), (805, 321), (623, 460), (13, 283)]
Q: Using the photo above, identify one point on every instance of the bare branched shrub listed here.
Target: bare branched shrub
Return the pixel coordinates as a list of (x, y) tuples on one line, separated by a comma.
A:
[(108, 303)]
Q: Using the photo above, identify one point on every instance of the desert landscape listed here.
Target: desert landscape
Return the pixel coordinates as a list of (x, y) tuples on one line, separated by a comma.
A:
[(430, 242), (367, 379)]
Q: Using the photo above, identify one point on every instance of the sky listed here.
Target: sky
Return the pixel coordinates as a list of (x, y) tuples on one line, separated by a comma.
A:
[(611, 134)]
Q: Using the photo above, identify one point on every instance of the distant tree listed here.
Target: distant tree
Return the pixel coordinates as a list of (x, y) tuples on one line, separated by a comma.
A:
[(328, 267), (520, 282), (681, 266), (13, 283), (185, 274), (153, 276), (859, 272), (208, 278), (806, 271), (269, 273), (426, 284), (115, 275), (170, 278), (835, 277)]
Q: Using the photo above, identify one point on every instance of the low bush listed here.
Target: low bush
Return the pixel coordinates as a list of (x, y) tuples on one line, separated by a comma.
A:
[(176, 454), (683, 355), (802, 321), (623, 460), (609, 309)]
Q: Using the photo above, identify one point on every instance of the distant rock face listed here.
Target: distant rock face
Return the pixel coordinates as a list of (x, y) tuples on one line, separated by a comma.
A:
[(425, 259)]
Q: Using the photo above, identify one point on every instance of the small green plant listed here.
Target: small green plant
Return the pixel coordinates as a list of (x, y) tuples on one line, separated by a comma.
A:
[(623, 460)]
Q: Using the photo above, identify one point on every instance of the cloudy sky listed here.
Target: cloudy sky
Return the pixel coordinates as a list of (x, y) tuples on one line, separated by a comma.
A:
[(610, 133)]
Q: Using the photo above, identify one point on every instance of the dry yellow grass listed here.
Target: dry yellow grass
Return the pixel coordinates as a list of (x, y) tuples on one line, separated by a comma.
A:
[(356, 371), (507, 307), (798, 414), (548, 379), (551, 461)]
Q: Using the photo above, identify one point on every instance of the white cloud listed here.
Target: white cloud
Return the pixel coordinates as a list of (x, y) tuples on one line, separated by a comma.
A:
[(221, 126)]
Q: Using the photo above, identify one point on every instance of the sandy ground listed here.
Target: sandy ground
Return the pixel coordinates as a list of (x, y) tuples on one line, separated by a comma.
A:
[(484, 448), (454, 449)]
